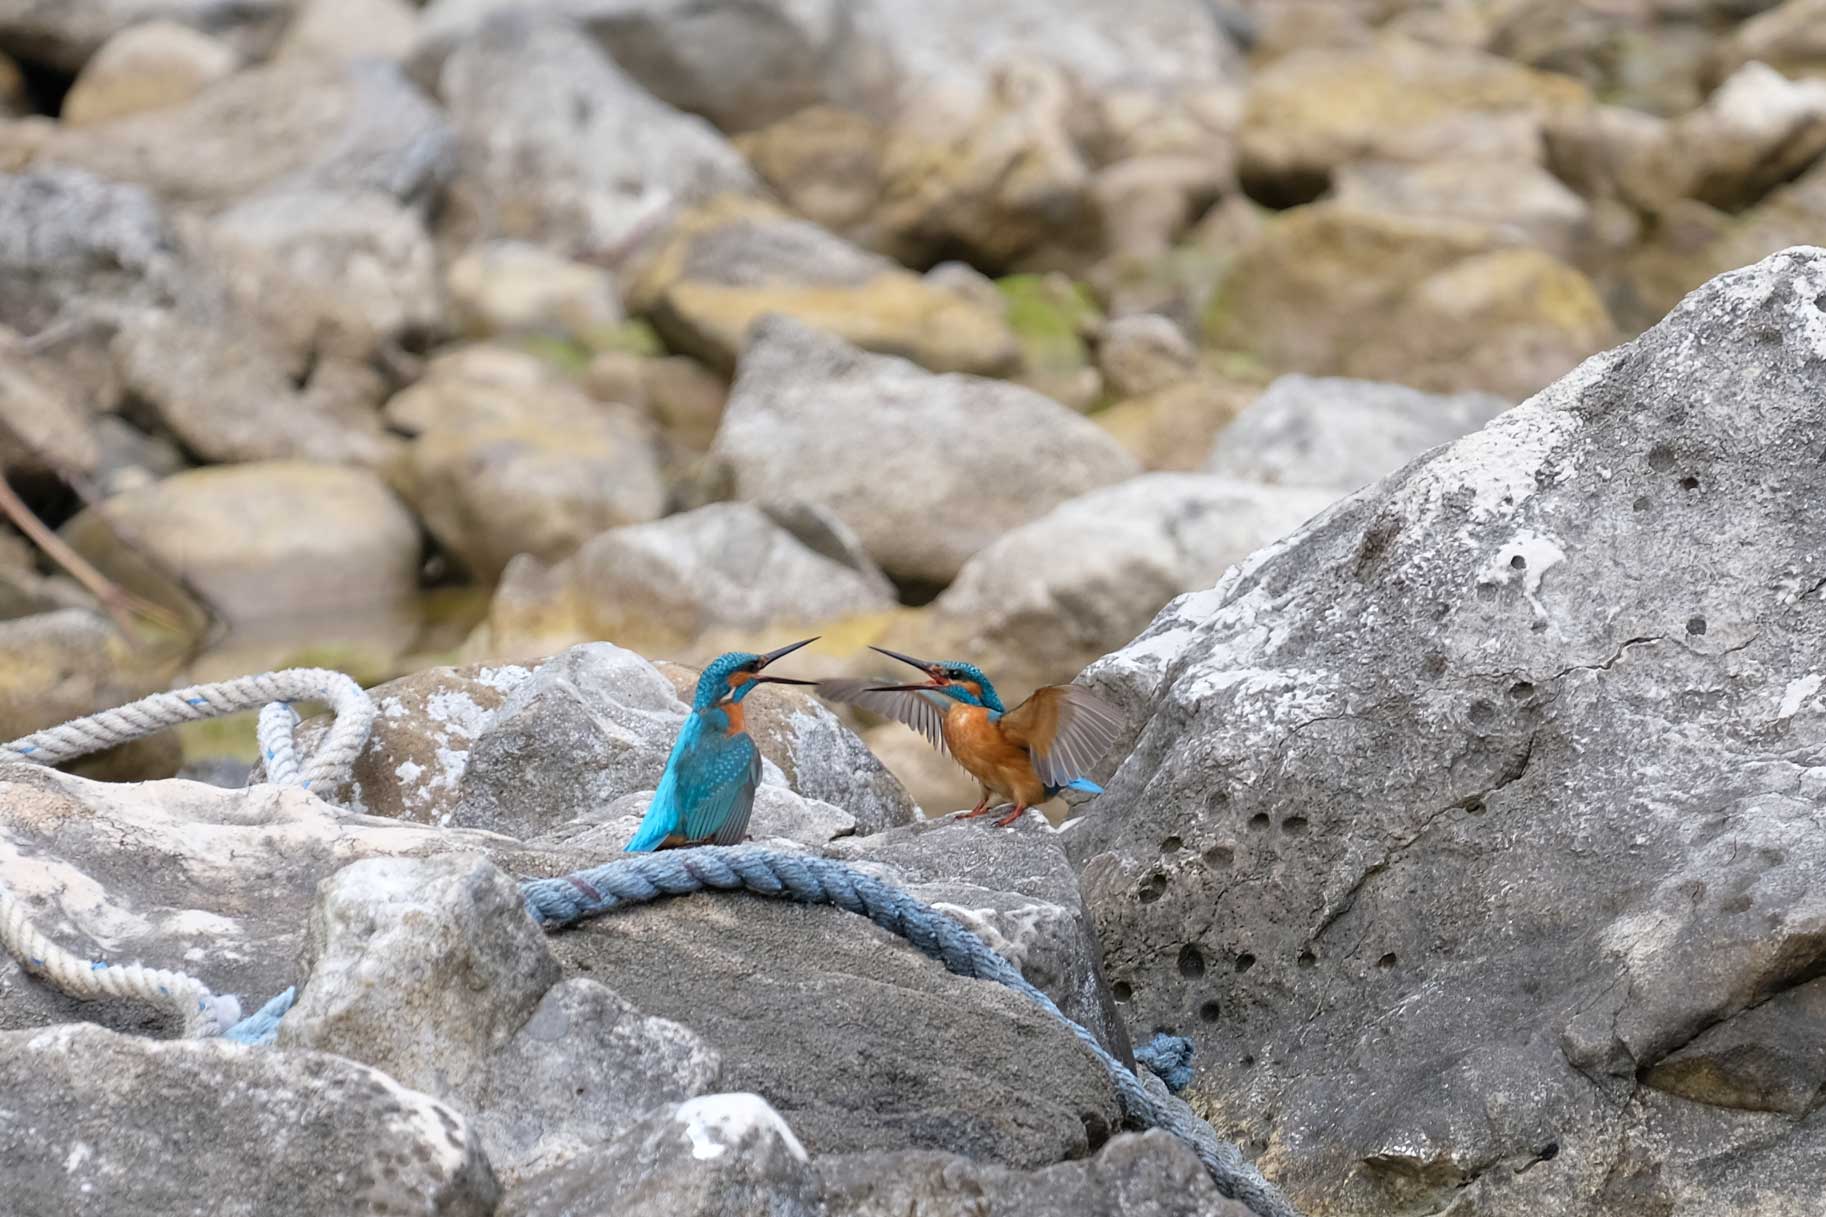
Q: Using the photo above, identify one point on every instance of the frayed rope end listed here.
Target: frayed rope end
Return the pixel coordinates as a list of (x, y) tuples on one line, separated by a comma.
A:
[(1169, 1058)]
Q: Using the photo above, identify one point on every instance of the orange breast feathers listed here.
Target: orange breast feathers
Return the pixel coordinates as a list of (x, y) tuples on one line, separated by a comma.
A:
[(738, 721), (999, 763)]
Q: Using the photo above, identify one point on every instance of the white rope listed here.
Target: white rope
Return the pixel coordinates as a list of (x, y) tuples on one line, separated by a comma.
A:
[(331, 762), (204, 1012)]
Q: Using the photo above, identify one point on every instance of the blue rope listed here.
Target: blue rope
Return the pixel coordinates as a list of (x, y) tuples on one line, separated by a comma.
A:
[(1169, 1057), (263, 1024), (640, 879)]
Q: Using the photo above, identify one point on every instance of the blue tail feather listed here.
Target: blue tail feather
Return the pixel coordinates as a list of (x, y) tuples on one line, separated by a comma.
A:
[(1081, 784)]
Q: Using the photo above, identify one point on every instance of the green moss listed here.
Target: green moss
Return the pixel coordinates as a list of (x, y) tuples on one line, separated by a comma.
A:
[(1049, 315), (634, 336), (568, 355)]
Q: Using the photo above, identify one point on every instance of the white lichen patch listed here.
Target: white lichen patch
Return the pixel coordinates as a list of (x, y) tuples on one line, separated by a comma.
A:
[(1524, 560), (1009, 933), (1799, 692), (718, 1123)]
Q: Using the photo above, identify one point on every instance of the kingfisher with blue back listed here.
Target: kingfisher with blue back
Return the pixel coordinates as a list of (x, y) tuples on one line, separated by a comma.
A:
[(1041, 748), (707, 791)]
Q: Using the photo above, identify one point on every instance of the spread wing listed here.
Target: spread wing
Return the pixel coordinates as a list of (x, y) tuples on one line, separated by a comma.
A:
[(1065, 728), (716, 787), (924, 712)]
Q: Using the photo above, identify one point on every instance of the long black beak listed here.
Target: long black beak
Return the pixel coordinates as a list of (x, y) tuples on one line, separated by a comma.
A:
[(923, 665), (898, 688), (788, 649)]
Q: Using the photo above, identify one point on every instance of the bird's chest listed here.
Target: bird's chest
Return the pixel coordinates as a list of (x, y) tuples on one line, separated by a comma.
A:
[(978, 743)]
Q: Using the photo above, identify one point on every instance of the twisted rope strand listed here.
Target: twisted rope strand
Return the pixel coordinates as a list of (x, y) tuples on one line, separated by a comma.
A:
[(640, 879), (203, 1012)]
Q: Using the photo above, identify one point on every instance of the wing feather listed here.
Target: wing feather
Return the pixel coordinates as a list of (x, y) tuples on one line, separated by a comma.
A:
[(1065, 728), (717, 791), (917, 710)]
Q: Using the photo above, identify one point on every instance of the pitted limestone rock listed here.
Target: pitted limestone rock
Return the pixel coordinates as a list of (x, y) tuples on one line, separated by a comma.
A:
[(810, 418), (1502, 778), (95, 1123)]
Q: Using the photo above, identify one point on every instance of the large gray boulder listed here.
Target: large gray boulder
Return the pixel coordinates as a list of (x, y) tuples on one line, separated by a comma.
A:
[(510, 457), (432, 971), (557, 145), (717, 1155), (1146, 1175), (1038, 603), (1328, 431), (261, 540), (97, 1124), (130, 307), (314, 124), (925, 469), (1474, 830), (65, 35), (527, 749), (726, 568), (859, 1042)]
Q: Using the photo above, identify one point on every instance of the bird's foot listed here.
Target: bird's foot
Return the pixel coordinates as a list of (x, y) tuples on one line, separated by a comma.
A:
[(980, 809), (1011, 817)]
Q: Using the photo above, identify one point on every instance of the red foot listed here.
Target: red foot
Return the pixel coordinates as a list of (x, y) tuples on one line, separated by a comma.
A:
[(980, 809), (1011, 817)]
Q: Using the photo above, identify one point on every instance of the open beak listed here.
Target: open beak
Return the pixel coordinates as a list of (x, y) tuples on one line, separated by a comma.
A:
[(929, 668), (768, 658)]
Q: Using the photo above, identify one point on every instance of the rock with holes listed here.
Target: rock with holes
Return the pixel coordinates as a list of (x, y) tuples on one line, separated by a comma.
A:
[(666, 584), (718, 1155), (556, 144), (870, 1045), (1037, 604), (1014, 889), (431, 971), (96, 1122), (1146, 1175), (260, 540), (1328, 431), (811, 418), (1490, 799)]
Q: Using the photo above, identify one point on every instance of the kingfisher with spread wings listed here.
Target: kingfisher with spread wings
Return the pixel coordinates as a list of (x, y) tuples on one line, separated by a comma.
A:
[(707, 791), (1027, 755)]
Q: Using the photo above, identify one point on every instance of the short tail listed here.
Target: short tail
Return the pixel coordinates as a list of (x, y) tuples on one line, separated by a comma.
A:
[(648, 837), (1081, 784)]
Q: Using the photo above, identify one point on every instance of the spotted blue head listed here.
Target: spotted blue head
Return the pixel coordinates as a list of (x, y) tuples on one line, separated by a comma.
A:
[(954, 678), (733, 675)]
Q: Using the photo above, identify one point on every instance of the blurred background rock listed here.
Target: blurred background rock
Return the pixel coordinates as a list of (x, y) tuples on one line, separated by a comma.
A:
[(379, 335)]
